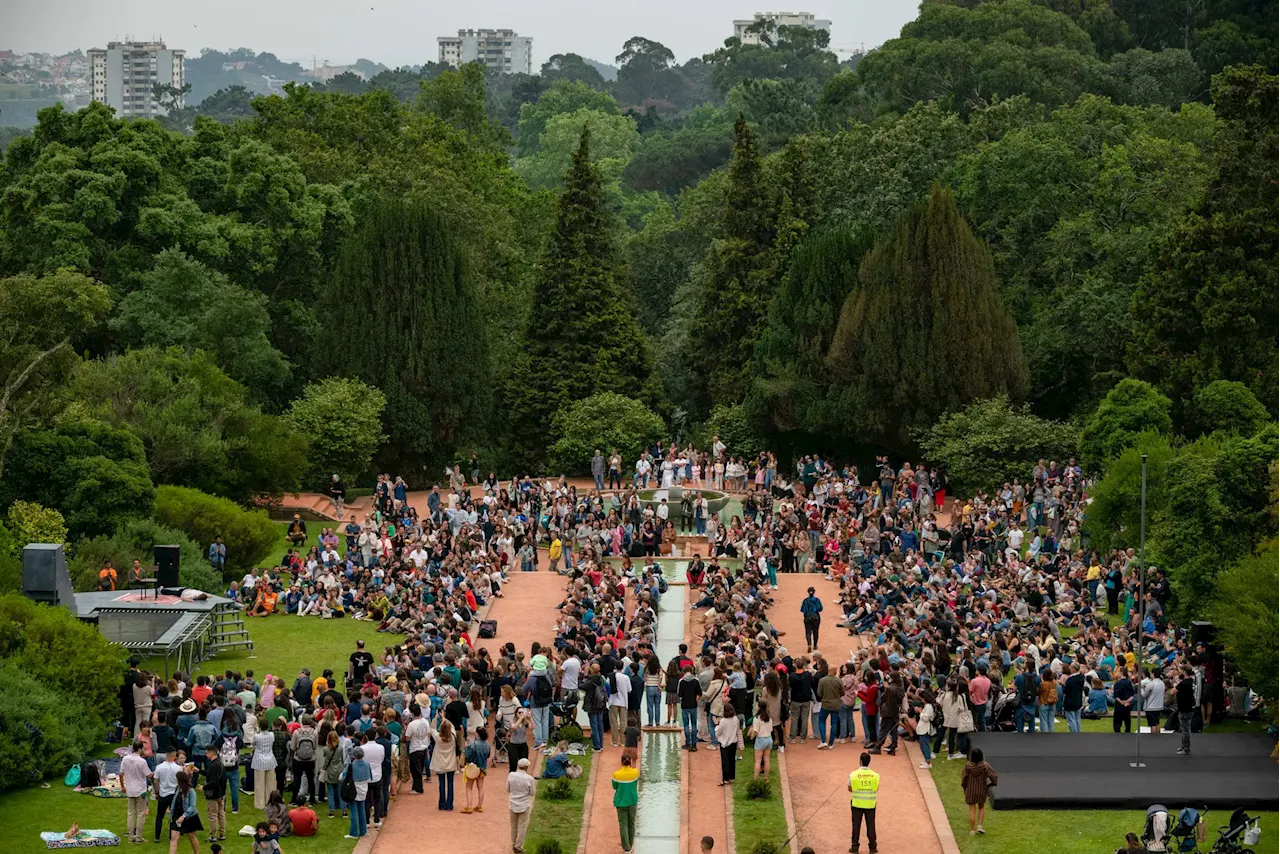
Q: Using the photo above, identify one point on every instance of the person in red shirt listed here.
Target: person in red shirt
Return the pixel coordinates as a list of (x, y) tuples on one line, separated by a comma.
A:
[(303, 820), (201, 691), (979, 691)]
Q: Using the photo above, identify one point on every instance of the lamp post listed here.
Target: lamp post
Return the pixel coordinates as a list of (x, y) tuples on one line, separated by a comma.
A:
[(1142, 602)]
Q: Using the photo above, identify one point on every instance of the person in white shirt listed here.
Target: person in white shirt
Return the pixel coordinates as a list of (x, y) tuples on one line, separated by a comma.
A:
[(374, 754), (643, 467), (570, 670), (520, 788), (134, 774), (618, 706), (419, 557), (418, 735), (165, 783)]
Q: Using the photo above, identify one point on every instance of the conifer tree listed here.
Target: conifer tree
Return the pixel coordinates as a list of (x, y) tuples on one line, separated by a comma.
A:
[(735, 281), (402, 314), (924, 332), (582, 336)]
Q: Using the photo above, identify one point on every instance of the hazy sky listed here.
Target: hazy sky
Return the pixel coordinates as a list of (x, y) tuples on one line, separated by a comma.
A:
[(400, 32)]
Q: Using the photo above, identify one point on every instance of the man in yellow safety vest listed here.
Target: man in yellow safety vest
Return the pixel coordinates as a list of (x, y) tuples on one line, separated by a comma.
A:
[(864, 784)]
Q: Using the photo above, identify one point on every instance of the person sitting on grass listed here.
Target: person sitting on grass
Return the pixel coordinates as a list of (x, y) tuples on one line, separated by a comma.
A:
[(557, 764), (265, 604)]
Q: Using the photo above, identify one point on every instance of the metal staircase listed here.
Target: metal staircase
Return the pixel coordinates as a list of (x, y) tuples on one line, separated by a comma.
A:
[(228, 632)]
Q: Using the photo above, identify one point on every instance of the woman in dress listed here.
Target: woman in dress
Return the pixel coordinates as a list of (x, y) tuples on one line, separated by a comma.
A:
[(184, 817), (976, 780)]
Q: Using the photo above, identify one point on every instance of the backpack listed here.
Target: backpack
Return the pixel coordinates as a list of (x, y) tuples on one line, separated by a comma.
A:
[(348, 788), (306, 749), (228, 753), (662, 584), (1030, 689), (542, 691), (599, 695)]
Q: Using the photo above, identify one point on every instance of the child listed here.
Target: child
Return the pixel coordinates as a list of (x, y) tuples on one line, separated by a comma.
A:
[(631, 738), (264, 841)]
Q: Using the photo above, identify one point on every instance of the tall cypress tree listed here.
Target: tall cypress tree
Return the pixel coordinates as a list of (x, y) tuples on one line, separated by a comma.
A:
[(789, 388), (404, 315), (582, 337), (735, 280), (924, 332)]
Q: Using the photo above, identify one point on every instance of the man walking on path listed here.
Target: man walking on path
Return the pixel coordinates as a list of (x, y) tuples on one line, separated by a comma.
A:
[(520, 788), (811, 610), (864, 785), (626, 785)]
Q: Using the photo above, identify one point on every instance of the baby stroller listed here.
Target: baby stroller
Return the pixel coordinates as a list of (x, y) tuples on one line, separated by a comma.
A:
[(1241, 830), (500, 742), (562, 715), (1003, 709), (1162, 833)]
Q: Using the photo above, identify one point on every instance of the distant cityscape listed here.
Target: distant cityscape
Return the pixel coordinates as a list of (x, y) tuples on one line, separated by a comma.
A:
[(147, 78)]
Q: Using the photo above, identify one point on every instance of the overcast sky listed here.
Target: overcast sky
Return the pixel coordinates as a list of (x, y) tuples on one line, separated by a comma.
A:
[(402, 32)]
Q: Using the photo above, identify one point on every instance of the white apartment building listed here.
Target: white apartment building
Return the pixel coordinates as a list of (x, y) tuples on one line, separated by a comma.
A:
[(779, 19), (500, 50), (123, 76)]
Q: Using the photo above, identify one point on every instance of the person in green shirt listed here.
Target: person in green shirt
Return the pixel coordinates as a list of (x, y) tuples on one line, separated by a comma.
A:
[(626, 785)]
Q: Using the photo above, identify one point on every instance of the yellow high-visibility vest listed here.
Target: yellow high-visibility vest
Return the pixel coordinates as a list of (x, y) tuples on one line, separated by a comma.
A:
[(865, 784)]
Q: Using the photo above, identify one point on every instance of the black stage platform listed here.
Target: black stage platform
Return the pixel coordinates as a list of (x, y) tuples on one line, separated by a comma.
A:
[(1063, 770)]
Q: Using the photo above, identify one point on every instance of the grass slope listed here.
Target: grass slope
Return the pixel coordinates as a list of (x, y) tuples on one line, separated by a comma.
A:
[(560, 821)]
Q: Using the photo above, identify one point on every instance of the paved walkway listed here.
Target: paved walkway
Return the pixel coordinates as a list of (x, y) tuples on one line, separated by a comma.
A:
[(818, 778), (526, 613)]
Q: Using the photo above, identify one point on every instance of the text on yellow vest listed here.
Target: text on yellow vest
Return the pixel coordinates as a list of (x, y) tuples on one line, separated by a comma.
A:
[(865, 784)]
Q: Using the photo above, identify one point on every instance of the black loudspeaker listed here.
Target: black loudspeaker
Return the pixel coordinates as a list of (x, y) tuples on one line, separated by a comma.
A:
[(1203, 632), (44, 575), (167, 566)]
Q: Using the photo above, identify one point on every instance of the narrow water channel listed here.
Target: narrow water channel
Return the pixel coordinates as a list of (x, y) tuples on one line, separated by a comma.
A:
[(658, 815)]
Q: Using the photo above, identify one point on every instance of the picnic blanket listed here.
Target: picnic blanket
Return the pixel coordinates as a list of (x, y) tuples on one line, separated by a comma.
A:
[(83, 839)]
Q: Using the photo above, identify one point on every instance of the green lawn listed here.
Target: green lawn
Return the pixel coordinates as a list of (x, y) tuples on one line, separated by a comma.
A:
[(757, 821), (1062, 831), (284, 645), (28, 812), (560, 820)]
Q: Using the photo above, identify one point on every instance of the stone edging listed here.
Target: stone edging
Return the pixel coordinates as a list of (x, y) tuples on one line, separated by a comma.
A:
[(792, 834), (937, 813), (588, 800)]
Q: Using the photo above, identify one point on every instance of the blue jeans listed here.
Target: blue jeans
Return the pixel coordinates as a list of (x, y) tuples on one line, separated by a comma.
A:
[(867, 729), (980, 718), (541, 724), (1073, 720), (1027, 714), (332, 790), (846, 721), (1046, 718), (599, 482), (446, 789), (690, 719), (832, 715), (597, 729), (653, 704), (359, 821), (233, 786), (926, 747)]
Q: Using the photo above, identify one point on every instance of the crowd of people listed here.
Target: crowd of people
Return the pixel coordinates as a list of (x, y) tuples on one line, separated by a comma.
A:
[(947, 602)]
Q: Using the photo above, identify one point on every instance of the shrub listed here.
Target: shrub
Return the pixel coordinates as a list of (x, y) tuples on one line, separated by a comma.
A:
[(992, 442), (138, 538), (734, 427), (43, 731), (249, 535), (342, 421), (53, 647), (31, 523), (571, 733), (759, 790), (603, 421), (1131, 408), (1246, 621), (95, 474), (763, 846), (1229, 407), (548, 846), (558, 790)]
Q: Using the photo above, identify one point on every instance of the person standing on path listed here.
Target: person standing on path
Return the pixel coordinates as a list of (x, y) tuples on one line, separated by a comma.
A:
[(626, 785), (134, 775), (811, 610), (520, 788), (1185, 692), (728, 734), (864, 786), (597, 470)]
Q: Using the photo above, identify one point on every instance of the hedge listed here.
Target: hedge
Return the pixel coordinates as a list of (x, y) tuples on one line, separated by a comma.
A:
[(43, 730), (249, 535)]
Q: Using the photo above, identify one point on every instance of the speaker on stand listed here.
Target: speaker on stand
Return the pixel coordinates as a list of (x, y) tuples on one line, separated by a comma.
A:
[(44, 575), (167, 566)]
